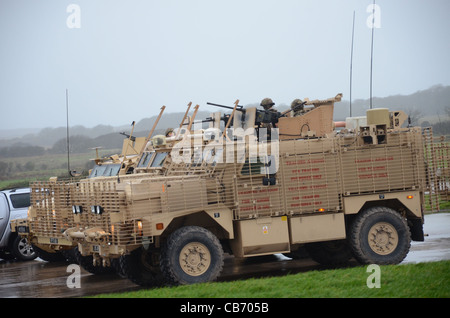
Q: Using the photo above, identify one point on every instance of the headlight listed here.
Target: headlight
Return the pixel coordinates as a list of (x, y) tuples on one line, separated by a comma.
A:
[(96, 209), (77, 209)]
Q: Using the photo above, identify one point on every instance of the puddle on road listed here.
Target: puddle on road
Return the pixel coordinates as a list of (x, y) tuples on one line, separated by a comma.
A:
[(36, 279)]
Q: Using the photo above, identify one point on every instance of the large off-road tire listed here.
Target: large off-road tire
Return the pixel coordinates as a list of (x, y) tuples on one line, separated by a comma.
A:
[(331, 253), (379, 235), (57, 256), (191, 255), (87, 263), (141, 266)]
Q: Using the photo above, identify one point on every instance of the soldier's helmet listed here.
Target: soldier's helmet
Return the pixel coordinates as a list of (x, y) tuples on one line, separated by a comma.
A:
[(169, 132), (295, 103), (267, 103)]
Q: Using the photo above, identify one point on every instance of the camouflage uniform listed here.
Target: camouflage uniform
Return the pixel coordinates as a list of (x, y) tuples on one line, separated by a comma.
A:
[(267, 104)]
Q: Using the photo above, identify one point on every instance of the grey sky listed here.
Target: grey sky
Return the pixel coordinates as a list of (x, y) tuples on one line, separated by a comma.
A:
[(129, 58)]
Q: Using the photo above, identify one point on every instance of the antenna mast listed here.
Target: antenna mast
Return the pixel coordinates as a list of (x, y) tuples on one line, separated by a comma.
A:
[(371, 52), (67, 132), (351, 62), (73, 174)]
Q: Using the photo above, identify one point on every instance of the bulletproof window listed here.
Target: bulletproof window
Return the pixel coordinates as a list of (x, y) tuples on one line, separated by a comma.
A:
[(107, 170), (111, 170), (145, 159), (97, 171), (159, 159)]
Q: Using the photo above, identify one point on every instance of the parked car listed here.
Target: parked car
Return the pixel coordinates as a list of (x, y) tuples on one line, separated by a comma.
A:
[(14, 205)]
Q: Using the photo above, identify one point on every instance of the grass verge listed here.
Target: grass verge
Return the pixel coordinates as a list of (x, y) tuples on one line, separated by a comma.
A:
[(427, 280)]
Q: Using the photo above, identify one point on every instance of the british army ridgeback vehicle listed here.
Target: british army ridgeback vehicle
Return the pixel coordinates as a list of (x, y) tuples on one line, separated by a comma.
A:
[(241, 188)]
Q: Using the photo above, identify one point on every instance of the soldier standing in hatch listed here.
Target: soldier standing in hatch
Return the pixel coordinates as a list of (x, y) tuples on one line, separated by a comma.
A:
[(297, 103), (267, 104)]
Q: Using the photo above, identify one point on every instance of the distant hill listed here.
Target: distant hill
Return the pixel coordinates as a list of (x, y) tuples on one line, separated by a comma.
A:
[(431, 104)]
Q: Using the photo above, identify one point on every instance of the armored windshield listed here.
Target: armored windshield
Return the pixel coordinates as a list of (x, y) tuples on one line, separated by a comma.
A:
[(159, 159), (108, 170), (143, 163)]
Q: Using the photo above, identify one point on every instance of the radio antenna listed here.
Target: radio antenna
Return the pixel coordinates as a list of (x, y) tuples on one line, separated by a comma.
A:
[(71, 173), (67, 132), (371, 52), (351, 62)]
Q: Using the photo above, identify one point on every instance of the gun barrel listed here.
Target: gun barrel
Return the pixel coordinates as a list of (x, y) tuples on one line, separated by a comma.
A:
[(206, 120), (128, 136), (239, 107)]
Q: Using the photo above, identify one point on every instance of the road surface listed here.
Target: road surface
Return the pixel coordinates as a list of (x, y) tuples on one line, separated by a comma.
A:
[(37, 279)]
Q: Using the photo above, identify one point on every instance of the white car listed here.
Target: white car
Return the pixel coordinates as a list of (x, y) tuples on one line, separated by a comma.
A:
[(14, 205)]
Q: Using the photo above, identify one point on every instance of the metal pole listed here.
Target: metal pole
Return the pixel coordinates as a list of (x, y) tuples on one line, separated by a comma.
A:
[(371, 52), (67, 123), (351, 63)]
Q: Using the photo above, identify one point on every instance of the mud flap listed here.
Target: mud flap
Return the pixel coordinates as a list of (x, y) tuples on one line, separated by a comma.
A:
[(416, 228)]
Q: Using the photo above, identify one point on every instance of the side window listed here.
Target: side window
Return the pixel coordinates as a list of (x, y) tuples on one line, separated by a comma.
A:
[(111, 170), (143, 163), (20, 200), (159, 159), (97, 171)]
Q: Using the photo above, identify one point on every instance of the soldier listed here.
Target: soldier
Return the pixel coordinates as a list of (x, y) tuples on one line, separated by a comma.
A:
[(169, 132), (267, 104), (296, 109)]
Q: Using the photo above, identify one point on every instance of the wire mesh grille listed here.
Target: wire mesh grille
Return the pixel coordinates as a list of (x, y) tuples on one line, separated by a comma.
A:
[(312, 177)]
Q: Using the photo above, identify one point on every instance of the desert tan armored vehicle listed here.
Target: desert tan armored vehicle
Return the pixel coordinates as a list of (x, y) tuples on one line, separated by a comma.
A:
[(358, 193), (52, 214), (50, 198)]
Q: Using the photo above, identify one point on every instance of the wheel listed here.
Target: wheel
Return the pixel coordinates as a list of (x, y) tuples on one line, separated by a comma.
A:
[(87, 263), (330, 253), (191, 255), (48, 256), (380, 235), (22, 250), (141, 266), (70, 255)]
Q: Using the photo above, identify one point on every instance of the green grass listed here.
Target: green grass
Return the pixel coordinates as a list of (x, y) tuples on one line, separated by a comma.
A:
[(45, 166), (428, 280)]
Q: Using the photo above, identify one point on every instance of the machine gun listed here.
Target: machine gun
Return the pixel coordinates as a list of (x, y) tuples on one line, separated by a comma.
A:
[(132, 138), (262, 116)]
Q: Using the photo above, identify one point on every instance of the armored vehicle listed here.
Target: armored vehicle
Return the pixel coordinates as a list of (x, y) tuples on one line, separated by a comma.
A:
[(52, 212), (240, 188)]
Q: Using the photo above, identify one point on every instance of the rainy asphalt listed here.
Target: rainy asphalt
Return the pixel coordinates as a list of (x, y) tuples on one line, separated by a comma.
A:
[(39, 279)]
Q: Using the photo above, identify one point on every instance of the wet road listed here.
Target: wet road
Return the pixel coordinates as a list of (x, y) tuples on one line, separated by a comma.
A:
[(41, 279)]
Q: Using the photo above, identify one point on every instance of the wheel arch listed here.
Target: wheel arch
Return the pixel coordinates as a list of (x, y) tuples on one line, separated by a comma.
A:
[(219, 221), (407, 204)]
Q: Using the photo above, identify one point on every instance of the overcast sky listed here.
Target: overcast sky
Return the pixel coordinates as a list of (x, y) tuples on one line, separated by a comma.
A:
[(122, 60)]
